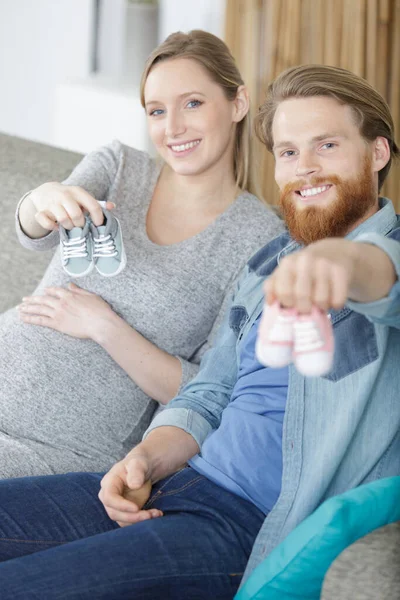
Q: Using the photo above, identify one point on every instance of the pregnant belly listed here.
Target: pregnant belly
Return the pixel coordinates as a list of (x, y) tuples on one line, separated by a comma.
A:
[(66, 392)]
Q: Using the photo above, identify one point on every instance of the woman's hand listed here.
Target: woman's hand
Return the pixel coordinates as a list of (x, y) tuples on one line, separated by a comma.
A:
[(126, 488), (54, 203), (73, 311)]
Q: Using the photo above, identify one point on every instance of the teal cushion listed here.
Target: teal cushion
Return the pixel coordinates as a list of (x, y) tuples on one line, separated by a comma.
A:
[(296, 568)]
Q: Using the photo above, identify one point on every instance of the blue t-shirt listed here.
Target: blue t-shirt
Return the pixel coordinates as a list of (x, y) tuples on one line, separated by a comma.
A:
[(244, 455)]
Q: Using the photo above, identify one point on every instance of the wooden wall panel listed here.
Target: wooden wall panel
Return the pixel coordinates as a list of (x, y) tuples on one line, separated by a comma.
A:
[(268, 36)]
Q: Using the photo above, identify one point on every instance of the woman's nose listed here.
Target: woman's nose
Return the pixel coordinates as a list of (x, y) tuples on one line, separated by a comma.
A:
[(175, 125)]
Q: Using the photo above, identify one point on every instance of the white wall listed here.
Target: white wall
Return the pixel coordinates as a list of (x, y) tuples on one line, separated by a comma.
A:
[(183, 15), (45, 43), (42, 42)]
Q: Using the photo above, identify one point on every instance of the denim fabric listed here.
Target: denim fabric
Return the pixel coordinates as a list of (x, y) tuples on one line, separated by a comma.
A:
[(339, 431), (56, 541), (251, 426)]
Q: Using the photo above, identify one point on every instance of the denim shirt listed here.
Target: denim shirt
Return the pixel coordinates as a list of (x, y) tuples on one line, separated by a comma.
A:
[(341, 430)]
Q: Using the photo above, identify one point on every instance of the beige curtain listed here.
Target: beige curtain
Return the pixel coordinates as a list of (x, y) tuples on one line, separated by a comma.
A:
[(268, 36)]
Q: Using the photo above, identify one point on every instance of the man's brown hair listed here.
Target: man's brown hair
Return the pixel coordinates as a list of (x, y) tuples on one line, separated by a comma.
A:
[(371, 112)]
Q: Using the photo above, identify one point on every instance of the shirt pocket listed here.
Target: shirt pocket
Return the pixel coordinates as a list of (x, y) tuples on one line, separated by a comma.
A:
[(238, 318), (355, 344)]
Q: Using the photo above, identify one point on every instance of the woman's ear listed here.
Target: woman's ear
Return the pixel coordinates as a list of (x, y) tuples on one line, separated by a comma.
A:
[(380, 153), (241, 104)]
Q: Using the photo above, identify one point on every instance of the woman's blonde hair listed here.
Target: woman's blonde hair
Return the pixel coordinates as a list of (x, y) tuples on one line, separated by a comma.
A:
[(214, 55), (371, 112)]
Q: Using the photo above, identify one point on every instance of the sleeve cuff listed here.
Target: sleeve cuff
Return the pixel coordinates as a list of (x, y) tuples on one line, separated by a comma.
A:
[(380, 308), (183, 418), (44, 243), (189, 372)]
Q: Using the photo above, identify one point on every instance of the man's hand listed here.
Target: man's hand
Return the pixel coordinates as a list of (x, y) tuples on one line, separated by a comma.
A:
[(127, 486), (125, 489), (329, 272)]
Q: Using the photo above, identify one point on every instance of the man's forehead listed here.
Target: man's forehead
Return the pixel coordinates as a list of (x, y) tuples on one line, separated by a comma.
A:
[(316, 117)]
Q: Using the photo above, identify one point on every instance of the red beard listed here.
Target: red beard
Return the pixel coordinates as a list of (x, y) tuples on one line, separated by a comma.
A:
[(355, 197)]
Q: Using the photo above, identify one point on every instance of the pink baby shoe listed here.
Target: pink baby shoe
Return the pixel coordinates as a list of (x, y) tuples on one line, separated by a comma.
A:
[(275, 336), (313, 343)]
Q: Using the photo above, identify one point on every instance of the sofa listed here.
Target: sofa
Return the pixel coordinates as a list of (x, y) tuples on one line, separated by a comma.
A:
[(370, 568), (23, 166)]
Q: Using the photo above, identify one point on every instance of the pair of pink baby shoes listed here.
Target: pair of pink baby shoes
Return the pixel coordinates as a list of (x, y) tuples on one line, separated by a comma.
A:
[(284, 335)]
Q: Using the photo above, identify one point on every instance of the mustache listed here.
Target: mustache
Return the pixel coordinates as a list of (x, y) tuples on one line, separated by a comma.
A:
[(315, 181)]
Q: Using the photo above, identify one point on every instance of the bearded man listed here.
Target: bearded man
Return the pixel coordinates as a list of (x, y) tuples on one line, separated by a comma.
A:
[(265, 446)]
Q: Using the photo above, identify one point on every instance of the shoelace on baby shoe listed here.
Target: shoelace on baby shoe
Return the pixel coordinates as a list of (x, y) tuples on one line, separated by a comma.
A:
[(104, 247), (308, 336), (75, 248), (281, 330)]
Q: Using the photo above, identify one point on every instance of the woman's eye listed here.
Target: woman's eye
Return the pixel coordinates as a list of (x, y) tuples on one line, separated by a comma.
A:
[(156, 112), (194, 103), (287, 153)]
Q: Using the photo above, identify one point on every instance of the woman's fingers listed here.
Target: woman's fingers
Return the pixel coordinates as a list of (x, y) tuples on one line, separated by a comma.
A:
[(87, 201), (61, 216), (76, 289), (74, 211), (46, 220), (58, 292), (41, 320), (37, 309)]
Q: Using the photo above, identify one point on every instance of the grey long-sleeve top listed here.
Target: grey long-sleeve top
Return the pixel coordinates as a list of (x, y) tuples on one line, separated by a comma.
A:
[(65, 399)]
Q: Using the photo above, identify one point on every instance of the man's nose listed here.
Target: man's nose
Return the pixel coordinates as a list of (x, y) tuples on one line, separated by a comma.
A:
[(175, 125), (307, 164)]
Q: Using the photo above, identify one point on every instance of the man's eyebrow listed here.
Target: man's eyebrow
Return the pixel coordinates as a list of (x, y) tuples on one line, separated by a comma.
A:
[(317, 138), (193, 93)]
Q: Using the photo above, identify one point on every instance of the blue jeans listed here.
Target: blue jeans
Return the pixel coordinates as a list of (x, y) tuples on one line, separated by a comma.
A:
[(56, 541)]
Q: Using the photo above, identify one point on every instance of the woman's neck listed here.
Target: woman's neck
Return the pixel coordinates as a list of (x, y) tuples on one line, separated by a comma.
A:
[(211, 192)]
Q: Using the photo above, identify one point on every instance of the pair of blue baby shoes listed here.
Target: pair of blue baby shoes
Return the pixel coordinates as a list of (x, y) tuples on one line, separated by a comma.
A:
[(100, 247)]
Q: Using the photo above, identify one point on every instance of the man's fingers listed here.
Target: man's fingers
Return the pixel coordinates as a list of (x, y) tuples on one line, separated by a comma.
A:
[(143, 515), (303, 283), (111, 495), (137, 472), (340, 287), (322, 292), (131, 518), (283, 284)]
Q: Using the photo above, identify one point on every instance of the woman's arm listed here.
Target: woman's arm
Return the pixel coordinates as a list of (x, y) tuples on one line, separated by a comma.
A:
[(155, 371), (40, 210), (84, 315)]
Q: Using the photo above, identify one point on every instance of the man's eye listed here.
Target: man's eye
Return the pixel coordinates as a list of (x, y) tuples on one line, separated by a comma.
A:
[(288, 153), (329, 145)]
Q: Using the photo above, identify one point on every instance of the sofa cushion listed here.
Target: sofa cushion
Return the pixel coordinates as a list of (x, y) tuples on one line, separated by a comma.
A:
[(296, 568), (24, 165)]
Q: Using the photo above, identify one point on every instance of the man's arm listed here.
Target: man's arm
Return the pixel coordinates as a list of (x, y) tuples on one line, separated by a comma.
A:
[(333, 272), (175, 435), (127, 486)]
